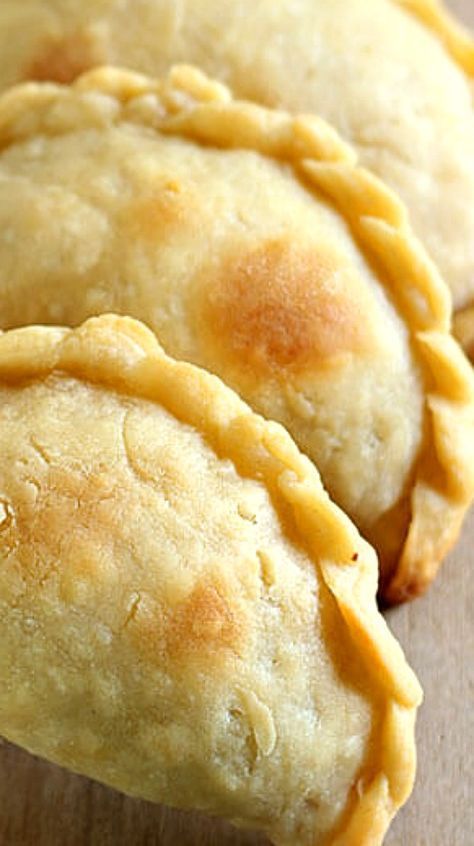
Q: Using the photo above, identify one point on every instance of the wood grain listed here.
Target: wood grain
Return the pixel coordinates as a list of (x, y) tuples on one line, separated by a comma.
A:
[(41, 805)]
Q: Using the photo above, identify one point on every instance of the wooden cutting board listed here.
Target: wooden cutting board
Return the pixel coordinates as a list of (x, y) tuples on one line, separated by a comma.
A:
[(41, 805)]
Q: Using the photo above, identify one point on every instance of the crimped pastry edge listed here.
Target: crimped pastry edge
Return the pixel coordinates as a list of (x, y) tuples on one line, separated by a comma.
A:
[(456, 38), (187, 103), (459, 42), (120, 353)]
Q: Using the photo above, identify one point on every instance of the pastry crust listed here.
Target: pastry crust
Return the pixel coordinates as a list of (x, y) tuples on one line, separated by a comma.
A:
[(188, 105), (464, 329), (109, 363), (457, 39), (400, 91), (460, 44)]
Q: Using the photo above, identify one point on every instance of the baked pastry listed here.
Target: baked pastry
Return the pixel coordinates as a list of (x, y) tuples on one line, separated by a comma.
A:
[(253, 246), (185, 615), (393, 77)]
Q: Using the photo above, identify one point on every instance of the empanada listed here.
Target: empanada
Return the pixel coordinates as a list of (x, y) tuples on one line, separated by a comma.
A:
[(394, 77), (184, 613), (254, 247)]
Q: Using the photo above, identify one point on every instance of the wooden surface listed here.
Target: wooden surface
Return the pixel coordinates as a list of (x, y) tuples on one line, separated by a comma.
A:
[(41, 805)]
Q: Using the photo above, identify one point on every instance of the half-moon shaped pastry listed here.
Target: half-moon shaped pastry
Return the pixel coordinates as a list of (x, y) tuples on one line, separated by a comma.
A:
[(184, 613), (253, 246), (393, 77)]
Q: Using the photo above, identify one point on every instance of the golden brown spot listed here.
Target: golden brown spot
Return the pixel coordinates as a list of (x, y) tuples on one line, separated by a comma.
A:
[(167, 206), (286, 306), (203, 625), (205, 622), (63, 518), (64, 59)]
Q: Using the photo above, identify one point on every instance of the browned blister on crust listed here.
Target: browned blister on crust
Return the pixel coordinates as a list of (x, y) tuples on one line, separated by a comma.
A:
[(256, 247), (283, 307), (185, 614)]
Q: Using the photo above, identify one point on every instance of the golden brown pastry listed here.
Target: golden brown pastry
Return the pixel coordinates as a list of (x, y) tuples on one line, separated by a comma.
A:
[(184, 613), (254, 246), (394, 77)]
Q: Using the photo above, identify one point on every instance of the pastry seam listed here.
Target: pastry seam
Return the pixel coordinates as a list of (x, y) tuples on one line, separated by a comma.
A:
[(121, 354), (187, 103)]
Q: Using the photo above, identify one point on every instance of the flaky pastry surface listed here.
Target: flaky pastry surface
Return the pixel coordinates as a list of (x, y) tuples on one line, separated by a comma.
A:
[(185, 614), (394, 76), (254, 246)]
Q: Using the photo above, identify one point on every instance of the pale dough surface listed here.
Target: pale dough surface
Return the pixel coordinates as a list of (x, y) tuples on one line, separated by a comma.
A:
[(42, 805), (185, 615), (380, 75), (255, 247)]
